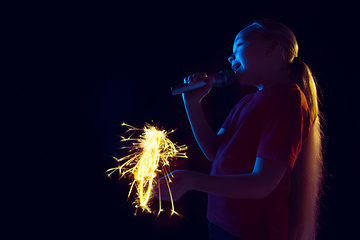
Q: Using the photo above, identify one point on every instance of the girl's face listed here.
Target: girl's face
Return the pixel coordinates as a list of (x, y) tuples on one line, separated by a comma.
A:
[(248, 60)]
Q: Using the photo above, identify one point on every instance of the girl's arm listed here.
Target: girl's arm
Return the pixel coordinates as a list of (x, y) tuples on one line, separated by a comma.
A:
[(206, 138), (258, 184)]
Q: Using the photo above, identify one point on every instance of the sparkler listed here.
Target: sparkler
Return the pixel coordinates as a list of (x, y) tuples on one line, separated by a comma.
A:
[(150, 155)]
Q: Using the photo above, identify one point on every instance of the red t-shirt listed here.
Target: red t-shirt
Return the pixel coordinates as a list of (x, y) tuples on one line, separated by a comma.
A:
[(272, 124)]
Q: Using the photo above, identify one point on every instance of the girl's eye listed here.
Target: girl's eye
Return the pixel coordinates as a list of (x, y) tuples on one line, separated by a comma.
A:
[(238, 45)]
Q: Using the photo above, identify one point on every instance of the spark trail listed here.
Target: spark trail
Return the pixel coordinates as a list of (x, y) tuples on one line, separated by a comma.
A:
[(150, 155)]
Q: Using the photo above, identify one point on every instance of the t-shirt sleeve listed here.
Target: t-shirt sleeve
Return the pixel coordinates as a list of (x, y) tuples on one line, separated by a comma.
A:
[(228, 120), (285, 129)]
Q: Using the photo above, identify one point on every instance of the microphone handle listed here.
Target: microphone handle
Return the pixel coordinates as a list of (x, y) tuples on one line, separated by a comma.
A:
[(178, 89)]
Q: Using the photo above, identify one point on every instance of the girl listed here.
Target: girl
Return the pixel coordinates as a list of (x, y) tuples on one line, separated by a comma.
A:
[(267, 163)]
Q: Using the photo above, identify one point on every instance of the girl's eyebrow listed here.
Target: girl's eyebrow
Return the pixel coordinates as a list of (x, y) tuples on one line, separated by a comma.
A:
[(236, 42)]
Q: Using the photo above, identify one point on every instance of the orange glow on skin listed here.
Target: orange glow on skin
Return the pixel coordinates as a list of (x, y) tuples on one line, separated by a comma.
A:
[(150, 154)]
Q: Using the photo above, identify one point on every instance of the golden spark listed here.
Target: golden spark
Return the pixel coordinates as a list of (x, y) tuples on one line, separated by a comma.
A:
[(150, 156)]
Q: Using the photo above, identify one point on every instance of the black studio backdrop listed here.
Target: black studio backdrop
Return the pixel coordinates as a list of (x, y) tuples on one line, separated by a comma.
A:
[(73, 73)]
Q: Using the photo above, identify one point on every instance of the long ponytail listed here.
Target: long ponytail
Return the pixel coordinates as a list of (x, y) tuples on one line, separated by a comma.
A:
[(307, 174)]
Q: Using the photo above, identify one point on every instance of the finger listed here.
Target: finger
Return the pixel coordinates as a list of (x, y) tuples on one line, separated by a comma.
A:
[(186, 80), (193, 77), (211, 81), (198, 77), (202, 75), (155, 183), (161, 182)]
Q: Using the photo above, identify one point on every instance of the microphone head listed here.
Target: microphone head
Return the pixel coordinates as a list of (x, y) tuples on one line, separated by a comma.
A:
[(224, 78)]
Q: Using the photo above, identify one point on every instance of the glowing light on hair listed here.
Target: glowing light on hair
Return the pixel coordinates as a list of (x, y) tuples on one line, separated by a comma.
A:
[(150, 156), (308, 174)]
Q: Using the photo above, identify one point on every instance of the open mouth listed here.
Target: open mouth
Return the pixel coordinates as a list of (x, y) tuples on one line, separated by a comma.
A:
[(236, 66)]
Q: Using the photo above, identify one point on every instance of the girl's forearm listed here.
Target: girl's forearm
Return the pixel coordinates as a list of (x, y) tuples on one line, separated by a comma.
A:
[(204, 135), (245, 186)]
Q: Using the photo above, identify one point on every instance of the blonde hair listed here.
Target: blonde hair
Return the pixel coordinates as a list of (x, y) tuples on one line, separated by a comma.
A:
[(307, 175)]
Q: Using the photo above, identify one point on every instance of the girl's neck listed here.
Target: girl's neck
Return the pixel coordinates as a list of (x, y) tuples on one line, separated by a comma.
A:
[(274, 79)]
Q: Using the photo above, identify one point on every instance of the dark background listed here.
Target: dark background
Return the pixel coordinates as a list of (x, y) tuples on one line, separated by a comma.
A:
[(73, 72)]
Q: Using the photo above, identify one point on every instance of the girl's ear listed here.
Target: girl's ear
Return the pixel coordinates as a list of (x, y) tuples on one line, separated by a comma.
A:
[(273, 47)]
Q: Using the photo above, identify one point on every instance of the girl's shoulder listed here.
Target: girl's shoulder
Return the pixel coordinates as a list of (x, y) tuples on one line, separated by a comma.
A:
[(287, 92)]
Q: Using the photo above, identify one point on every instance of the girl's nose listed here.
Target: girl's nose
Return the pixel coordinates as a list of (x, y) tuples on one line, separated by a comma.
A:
[(231, 58)]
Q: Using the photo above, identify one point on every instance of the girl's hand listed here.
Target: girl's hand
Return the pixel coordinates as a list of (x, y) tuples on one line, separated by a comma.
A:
[(180, 183), (198, 94)]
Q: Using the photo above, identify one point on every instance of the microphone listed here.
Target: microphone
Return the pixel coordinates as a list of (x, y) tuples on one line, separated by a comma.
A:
[(222, 79)]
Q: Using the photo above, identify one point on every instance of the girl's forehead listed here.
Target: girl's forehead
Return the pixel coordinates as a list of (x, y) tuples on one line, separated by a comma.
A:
[(244, 34)]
